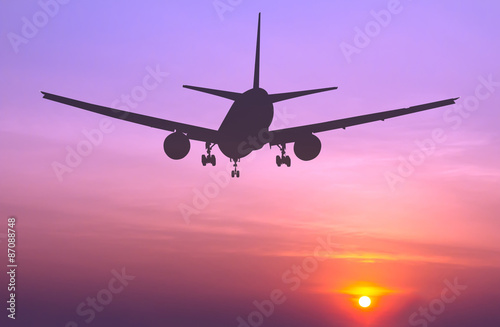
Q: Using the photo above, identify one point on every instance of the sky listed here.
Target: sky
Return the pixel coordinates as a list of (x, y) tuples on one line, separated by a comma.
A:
[(110, 231)]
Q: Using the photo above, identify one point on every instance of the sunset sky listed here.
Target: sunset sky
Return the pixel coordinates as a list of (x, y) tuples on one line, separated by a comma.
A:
[(405, 211)]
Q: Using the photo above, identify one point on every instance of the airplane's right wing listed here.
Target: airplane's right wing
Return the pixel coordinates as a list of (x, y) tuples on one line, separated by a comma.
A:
[(192, 132), (289, 135)]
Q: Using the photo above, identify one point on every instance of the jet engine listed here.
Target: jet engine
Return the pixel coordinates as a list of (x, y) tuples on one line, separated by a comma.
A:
[(307, 147), (176, 145)]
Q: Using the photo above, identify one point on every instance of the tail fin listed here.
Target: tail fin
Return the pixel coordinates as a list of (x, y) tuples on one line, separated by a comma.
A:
[(256, 75)]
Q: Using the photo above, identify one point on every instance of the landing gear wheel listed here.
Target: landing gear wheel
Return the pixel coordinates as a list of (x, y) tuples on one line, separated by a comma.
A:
[(287, 161), (283, 159), (235, 172), (209, 158)]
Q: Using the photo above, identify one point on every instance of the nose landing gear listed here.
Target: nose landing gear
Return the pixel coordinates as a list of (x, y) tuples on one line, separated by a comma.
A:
[(209, 158), (283, 159), (235, 172)]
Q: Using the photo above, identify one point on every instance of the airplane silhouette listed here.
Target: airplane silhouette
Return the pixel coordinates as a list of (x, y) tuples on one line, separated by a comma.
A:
[(246, 126)]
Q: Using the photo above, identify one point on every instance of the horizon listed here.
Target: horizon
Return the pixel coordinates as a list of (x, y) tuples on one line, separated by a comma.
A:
[(404, 211)]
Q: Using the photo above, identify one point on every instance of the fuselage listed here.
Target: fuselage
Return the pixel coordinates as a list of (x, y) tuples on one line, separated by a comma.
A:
[(246, 126)]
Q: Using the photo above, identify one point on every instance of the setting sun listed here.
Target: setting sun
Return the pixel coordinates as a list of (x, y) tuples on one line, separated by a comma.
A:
[(365, 301)]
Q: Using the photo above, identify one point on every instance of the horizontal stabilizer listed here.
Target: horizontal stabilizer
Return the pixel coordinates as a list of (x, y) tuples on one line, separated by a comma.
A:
[(224, 94), (290, 95)]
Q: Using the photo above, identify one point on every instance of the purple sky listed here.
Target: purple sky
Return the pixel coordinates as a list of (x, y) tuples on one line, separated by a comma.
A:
[(401, 222)]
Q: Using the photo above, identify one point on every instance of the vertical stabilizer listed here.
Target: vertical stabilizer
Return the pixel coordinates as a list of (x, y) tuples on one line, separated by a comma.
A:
[(257, 60)]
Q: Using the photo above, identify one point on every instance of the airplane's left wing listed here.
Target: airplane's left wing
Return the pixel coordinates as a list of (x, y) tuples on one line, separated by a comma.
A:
[(192, 132), (289, 135)]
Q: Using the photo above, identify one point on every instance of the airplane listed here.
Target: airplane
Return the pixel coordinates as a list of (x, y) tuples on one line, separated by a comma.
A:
[(245, 128)]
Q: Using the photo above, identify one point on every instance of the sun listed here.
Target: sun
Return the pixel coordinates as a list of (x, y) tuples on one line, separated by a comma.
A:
[(365, 301)]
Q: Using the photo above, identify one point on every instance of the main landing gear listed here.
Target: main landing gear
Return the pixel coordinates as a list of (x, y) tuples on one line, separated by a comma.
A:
[(235, 172), (209, 158), (283, 159)]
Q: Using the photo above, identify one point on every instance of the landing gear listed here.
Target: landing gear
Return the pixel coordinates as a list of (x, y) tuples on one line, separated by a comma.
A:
[(283, 159), (235, 172), (209, 158)]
